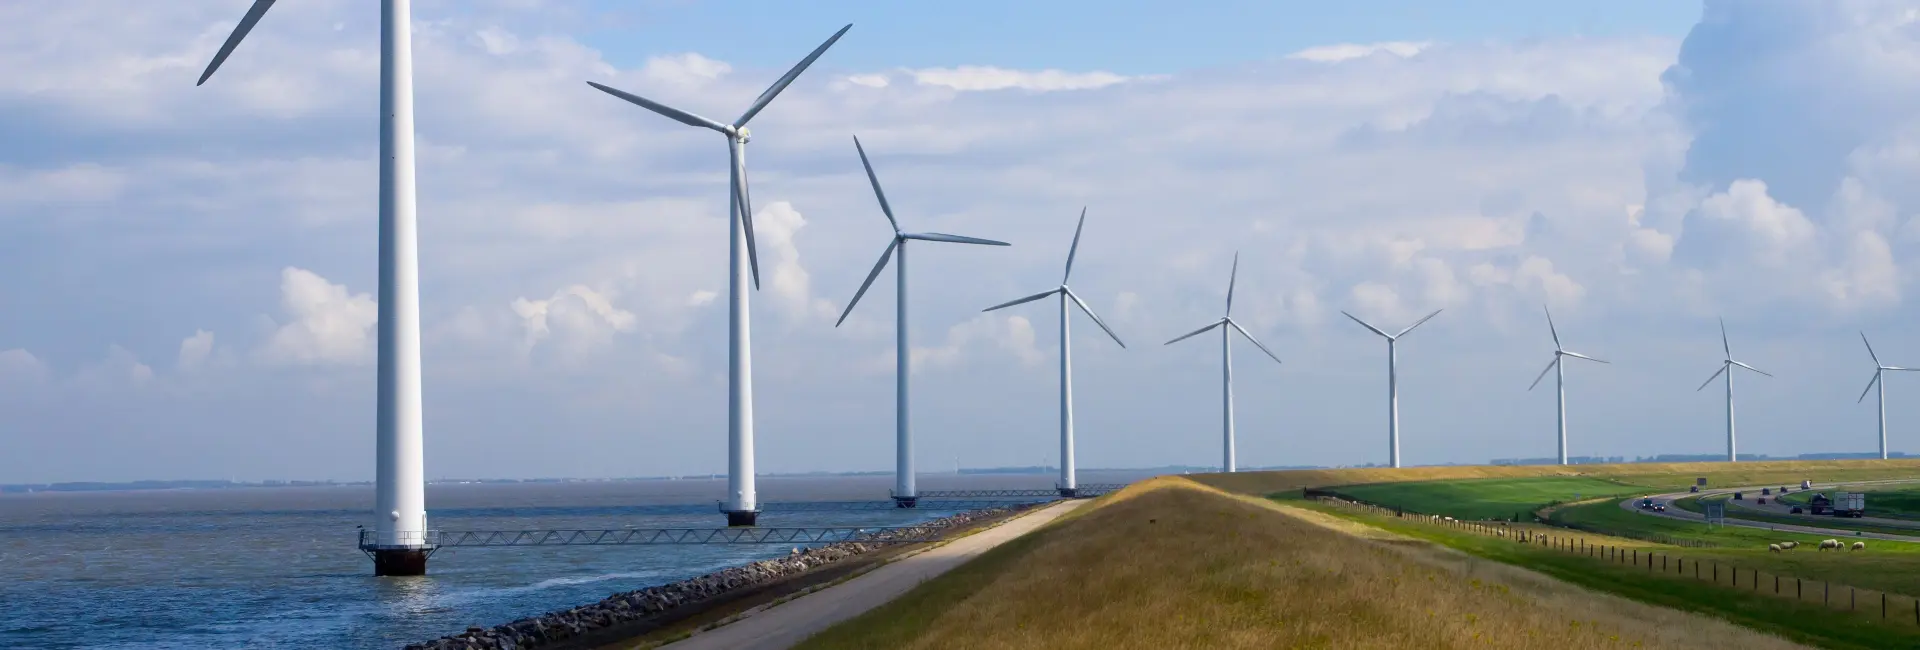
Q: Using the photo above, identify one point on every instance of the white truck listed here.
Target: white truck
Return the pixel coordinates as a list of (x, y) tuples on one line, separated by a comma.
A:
[(1850, 504)]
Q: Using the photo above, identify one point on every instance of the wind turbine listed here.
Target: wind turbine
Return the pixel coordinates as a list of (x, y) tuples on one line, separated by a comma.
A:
[(1067, 486), (400, 543), (742, 506), (1878, 370), (1393, 380), (1725, 368), (1226, 364), (1560, 379), (904, 494)]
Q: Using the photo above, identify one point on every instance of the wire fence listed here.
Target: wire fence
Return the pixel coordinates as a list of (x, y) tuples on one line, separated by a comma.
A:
[(1865, 603)]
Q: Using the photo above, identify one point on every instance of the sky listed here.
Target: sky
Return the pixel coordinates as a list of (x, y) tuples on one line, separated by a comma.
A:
[(189, 272)]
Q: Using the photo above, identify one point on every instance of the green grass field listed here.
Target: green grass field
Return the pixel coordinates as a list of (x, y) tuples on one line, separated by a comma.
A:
[(1500, 498), (1763, 612), (1891, 501), (1887, 566), (1838, 523)]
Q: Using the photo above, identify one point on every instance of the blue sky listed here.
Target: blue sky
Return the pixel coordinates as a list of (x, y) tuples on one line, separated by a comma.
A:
[(190, 269), (1127, 36)]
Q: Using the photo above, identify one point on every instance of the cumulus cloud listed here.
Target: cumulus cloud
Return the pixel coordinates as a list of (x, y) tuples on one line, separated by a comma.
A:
[(979, 77), (326, 324), (1012, 335), (1347, 51), (20, 366), (1387, 179), (776, 226), (194, 350), (120, 369), (578, 318), (686, 69)]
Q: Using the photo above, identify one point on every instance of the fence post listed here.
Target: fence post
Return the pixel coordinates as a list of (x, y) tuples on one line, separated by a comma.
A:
[(1776, 587), (1883, 605), (1797, 592), (1716, 572)]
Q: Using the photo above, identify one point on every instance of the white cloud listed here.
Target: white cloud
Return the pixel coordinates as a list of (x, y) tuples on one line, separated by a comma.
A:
[(194, 350), (701, 298), (583, 318), (326, 324), (120, 369), (687, 69), (776, 225), (978, 77), (1012, 335), (1347, 51), (20, 366)]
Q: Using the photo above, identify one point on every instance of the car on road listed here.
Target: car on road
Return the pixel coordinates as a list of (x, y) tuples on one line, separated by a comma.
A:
[(1659, 507), (1646, 504)]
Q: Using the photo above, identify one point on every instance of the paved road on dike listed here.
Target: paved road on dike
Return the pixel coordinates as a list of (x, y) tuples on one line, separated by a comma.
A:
[(1674, 512), (787, 624)]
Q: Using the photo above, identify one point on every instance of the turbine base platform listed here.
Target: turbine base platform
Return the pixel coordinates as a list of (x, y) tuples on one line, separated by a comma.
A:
[(906, 502), (741, 517), (400, 561), (1069, 493)]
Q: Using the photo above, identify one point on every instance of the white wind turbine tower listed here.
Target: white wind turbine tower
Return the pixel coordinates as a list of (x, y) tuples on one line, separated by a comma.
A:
[(1226, 365), (399, 543), (1560, 379), (1726, 366), (904, 493), (1393, 380), (742, 506), (1067, 486), (1878, 370)]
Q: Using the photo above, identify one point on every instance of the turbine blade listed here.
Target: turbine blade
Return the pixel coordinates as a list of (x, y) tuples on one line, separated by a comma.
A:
[(1724, 345), (1409, 328), (1716, 375), (1577, 355), (1197, 332), (1095, 317), (1076, 245), (774, 90), (1232, 278), (681, 116), (1551, 329), (875, 180), (1543, 372), (1749, 367), (247, 22), (1898, 368), (884, 256), (1876, 357), (744, 201), (952, 239), (1870, 383), (1027, 299), (1362, 323), (1255, 342)]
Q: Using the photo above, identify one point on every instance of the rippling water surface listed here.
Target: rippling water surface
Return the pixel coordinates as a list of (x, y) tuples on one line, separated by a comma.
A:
[(277, 567)]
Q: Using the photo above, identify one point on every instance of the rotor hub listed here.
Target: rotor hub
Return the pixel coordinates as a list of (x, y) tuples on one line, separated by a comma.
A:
[(743, 134)]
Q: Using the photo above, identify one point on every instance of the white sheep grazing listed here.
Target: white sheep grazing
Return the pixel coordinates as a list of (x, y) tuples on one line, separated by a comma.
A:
[(1789, 545), (1859, 546), (1773, 547), (1829, 544)]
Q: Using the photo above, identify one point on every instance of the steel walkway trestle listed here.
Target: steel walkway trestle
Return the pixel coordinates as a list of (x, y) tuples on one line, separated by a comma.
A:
[(673, 536)]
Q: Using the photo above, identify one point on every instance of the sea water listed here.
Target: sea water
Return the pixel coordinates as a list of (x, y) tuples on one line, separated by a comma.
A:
[(278, 567)]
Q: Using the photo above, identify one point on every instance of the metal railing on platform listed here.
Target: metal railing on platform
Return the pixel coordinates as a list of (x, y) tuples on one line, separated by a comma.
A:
[(672, 536)]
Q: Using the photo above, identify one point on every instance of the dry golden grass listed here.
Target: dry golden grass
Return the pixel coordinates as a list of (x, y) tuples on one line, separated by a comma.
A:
[(1745, 473), (1169, 563)]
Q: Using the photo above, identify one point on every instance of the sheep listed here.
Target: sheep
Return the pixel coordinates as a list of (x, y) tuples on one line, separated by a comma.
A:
[(1859, 546), (1773, 547), (1789, 545), (1829, 544)]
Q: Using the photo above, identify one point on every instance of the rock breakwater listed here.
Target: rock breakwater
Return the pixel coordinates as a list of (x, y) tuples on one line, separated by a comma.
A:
[(652, 601)]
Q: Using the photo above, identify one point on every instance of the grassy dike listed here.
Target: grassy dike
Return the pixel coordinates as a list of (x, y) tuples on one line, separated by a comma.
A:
[(1172, 563)]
